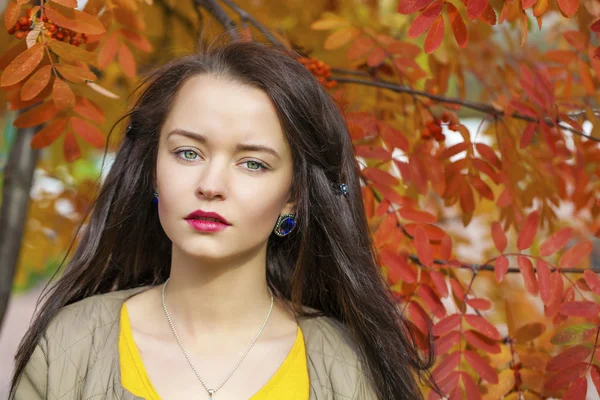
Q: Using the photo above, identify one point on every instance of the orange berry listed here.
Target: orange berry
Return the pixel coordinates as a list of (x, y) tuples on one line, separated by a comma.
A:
[(445, 117), (59, 35), (22, 20), (453, 127), (48, 33), (20, 35), (28, 12)]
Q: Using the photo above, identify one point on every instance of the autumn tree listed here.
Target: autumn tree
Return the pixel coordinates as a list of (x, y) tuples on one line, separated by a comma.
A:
[(513, 307)]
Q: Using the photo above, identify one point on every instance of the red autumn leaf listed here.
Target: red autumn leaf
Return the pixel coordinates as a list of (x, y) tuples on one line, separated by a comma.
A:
[(458, 25), (556, 242), (11, 14), (577, 390), (471, 389), (439, 281), (431, 300), (475, 8), (449, 383), (393, 136), (595, 27), (74, 19), (483, 326), (88, 109), (485, 168), (576, 254), (71, 149), (444, 343), (415, 215), (481, 342), (36, 83), (88, 132), (36, 116), (480, 304), (457, 289), (500, 268), (379, 176), (545, 281), (528, 230), (563, 378), (499, 236), (127, 61), (454, 150), (527, 4), (435, 233), (483, 368), (568, 358), (592, 280), (424, 21), (527, 135), (446, 325), (423, 246), (24, 64), (446, 247), (360, 48), (434, 37), (411, 6), (482, 188), (47, 135), (62, 95), (398, 267), (138, 41), (580, 309), (568, 7), (526, 268), (446, 366), (489, 155), (375, 152), (419, 317), (595, 374)]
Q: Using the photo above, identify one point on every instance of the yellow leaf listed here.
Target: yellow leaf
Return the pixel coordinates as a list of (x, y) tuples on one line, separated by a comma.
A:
[(341, 37), (329, 21), (506, 381)]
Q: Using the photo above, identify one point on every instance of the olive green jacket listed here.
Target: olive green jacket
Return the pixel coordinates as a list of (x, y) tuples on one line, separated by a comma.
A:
[(78, 356)]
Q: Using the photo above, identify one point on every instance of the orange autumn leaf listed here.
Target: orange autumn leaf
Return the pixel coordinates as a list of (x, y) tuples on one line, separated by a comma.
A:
[(74, 19), (88, 132), (11, 14), (71, 149), (47, 135), (36, 83), (556, 242), (138, 41), (71, 53), (592, 280), (483, 326), (380, 176), (545, 281), (88, 109), (568, 8), (127, 61), (62, 95), (411, 6), (67, 3), (23, 65), (75, 74), (499, 236), (415, 215), (586, 77), (475, 8), (479, 304), (341, 37), (37, 115), (526, 268), (109, 50), (483, 368)]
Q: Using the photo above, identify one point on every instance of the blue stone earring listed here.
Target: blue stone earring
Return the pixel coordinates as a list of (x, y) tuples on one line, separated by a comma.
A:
[(155, 198), (285, 224)]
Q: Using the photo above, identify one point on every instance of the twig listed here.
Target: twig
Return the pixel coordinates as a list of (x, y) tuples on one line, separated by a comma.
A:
[(245, 16), (220, 15), (465, 103), (181, 17)]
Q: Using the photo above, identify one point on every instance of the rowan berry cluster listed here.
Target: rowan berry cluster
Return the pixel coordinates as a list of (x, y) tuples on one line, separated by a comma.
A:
[(24, 25), (319, 69), (433, 130)]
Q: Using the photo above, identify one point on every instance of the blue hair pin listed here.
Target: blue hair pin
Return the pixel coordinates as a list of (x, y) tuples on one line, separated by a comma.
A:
[(343, 189)]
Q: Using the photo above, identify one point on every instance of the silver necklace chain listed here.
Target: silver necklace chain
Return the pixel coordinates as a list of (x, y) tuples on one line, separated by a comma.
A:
[(211, 392)]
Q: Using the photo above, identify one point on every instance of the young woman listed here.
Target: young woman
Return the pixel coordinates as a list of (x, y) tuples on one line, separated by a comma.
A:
[(228, 254)]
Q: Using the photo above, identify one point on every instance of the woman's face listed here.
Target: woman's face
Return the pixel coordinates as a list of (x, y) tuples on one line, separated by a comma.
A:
[(248, 187)]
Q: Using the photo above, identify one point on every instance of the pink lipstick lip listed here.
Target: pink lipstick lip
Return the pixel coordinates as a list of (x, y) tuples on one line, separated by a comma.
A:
[(206, 214), (206, 226)]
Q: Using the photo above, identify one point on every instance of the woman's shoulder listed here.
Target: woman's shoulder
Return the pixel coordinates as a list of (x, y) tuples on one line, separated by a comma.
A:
[(86, 318), (334, 358)]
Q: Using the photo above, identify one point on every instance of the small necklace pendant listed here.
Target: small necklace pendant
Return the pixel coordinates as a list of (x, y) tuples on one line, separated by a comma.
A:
[(211, 392)]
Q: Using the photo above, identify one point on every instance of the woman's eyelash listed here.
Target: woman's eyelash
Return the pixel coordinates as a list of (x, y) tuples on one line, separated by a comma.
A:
[(261, 165)]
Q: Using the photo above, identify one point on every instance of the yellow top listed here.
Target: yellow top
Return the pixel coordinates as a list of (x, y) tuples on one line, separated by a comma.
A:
[(290, 382)]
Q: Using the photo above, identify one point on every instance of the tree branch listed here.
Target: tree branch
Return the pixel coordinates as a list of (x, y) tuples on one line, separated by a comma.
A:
[(245, 16), (220, 15), (484, 108)]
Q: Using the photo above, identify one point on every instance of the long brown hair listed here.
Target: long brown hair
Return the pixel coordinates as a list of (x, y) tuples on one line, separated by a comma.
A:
[(327, 263)]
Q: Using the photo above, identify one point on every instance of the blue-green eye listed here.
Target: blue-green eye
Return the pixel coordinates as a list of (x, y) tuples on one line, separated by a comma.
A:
[(259, 165), (188, 153), (188, 156)]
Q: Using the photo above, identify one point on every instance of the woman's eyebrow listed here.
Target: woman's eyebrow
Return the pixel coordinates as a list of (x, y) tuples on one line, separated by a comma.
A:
[(239, 147)]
